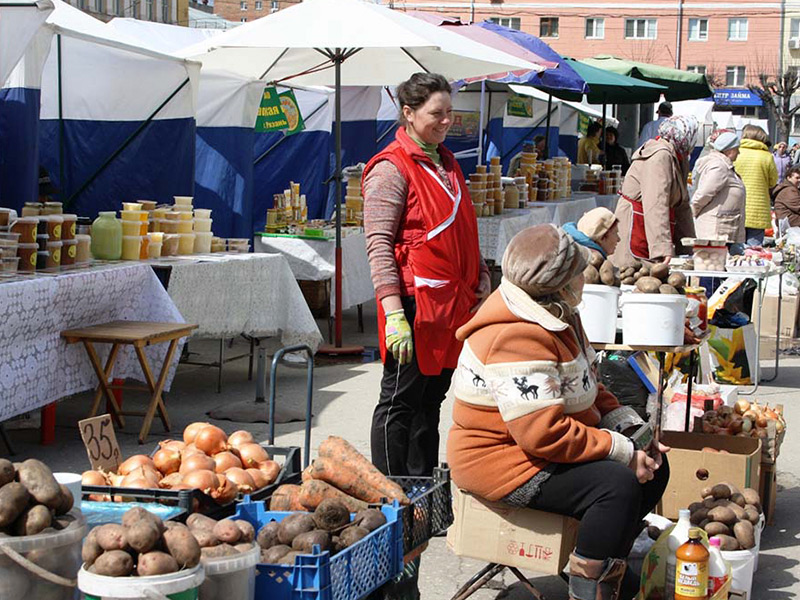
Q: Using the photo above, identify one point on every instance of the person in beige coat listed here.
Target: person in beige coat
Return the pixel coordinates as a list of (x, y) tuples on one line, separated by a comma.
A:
[(653, 207), (718, 202)]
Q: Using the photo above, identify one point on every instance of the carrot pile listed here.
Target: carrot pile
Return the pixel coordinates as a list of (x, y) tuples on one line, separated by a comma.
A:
[(341, 473)]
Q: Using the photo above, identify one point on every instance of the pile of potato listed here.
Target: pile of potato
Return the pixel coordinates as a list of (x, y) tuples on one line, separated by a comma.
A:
[(31, 500), (328, 527), (729, 514), (600, 271), (207, 459), (144, 545), (744, 420), (653, 279)]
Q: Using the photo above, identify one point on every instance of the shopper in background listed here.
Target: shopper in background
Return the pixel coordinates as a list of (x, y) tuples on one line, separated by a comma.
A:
[(422, 242), (650, 130), (787, 197), (598, 229), (589, 151), (758, 172), (653, 207), (615, 154), (719, 196), (795, 153), (782, 159), (533, 428)]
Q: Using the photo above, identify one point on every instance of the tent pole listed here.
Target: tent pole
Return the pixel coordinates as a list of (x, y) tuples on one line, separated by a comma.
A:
[(338, 201), (603, 133), (61, 183), (547, 129), (483, 110), (125, 144)]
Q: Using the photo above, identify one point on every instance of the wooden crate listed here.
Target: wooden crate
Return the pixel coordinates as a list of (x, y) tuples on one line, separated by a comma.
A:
[(318, 296), (767, 489)]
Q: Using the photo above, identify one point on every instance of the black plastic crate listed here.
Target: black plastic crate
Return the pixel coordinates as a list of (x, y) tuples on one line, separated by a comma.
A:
[(197, 501), (431, 510)]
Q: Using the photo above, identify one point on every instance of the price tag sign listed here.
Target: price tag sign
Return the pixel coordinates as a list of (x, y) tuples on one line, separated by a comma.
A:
[(101, 442)]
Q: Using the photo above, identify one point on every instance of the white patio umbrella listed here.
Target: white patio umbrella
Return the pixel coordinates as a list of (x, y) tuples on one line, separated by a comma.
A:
[(352, 43)]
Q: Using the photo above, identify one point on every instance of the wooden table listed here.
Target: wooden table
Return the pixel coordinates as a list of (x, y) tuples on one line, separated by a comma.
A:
[(138, 334)]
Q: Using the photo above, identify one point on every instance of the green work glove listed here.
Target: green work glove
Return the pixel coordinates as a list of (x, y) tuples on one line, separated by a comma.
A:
[(398, 337)]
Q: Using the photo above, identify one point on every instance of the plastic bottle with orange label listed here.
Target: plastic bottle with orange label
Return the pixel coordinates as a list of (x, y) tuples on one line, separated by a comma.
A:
[(691, 569)]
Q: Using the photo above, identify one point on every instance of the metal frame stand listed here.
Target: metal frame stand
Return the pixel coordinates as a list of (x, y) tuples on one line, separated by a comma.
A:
[(486, 574), (273, 388), (222, 360)]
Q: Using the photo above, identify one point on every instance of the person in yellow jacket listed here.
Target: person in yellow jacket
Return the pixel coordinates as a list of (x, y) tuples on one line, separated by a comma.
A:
[(758, 172)]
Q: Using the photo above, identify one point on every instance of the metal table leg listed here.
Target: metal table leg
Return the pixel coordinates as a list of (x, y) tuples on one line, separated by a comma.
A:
[(777, 333)]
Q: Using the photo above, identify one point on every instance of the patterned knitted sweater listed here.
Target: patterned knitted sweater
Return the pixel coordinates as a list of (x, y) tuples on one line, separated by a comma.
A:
[(527, 397)]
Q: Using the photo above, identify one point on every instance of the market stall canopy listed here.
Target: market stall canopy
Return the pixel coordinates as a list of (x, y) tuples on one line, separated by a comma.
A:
[(561, 81), (541, 95), (19, 22), (681, 85), (491, 39), (607, 87), (380, 46)]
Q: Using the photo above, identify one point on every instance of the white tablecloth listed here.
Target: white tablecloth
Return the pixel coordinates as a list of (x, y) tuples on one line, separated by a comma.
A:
[(37, 367), (566, 211), (315, 260), (495, 232), (253, 294)]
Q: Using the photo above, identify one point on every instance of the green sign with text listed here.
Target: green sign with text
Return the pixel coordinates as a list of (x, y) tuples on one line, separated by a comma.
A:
[(519, 106), (279, 112)]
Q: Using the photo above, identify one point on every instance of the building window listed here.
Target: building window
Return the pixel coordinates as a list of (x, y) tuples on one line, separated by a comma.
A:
[(243, 20), (548, 27), (510, 22), (117, 7), (148, 10), (259, 5), (640, 29), (595, 29), (796, 124), (82, 4), (165, 11), (735, 76), (274, 5), (98, 6), (698, 30), (701, 69), (243, 5), (737, 30)]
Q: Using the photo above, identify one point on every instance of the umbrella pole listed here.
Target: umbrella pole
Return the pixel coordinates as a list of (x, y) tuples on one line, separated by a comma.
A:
[(547, 128), (338, 348), (338, 204)]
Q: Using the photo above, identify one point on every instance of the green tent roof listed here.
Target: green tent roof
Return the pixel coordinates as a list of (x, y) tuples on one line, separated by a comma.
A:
[(607, 87), (681, 85)]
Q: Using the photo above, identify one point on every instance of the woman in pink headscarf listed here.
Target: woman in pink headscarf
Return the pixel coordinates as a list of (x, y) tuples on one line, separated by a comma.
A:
[(653, 207)]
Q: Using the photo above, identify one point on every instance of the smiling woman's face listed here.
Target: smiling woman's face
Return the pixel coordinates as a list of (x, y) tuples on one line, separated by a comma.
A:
[(430, 122)]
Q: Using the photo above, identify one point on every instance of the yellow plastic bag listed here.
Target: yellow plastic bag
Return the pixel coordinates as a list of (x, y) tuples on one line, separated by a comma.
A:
[(654, 571)]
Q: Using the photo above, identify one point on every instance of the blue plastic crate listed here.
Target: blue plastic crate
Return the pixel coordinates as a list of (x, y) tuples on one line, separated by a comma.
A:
[(351, 574)]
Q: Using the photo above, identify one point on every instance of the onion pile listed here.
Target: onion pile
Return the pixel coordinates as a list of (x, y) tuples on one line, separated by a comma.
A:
[(206, 459)]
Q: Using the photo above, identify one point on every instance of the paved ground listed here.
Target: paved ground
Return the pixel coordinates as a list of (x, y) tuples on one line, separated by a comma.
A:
[(343, 399)]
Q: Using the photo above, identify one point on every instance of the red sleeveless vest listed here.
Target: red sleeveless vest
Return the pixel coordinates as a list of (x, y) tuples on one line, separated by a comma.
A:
[(436, 250)]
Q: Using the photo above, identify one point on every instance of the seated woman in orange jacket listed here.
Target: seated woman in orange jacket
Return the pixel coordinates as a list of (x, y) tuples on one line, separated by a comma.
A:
[(533, 428)]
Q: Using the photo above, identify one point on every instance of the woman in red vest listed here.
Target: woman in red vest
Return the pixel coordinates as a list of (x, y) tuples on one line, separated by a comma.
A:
[(422, 241)]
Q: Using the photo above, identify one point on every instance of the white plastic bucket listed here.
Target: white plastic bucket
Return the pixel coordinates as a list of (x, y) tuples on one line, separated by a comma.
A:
[(599, 313), (231, 577), (58, 553), (183, 585), (653, 319), (742, 567)]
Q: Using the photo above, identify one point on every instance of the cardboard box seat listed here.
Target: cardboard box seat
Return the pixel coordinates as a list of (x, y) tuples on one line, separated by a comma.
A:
[(516, 537)]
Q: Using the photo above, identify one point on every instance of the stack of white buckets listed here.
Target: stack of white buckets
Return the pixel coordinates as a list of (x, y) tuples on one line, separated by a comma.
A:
[(647, 319)]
